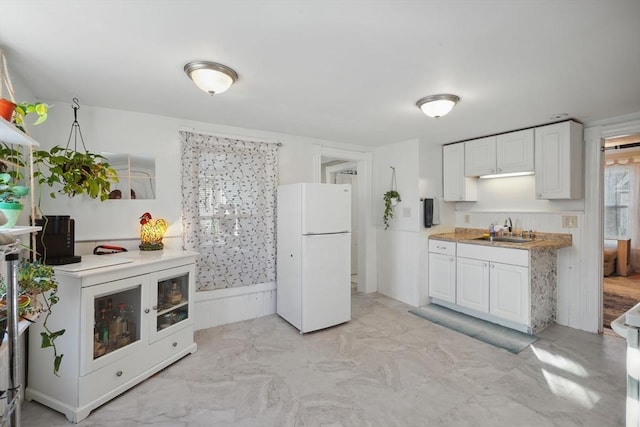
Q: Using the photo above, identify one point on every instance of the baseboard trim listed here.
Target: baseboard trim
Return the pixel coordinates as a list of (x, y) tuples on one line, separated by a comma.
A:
[(230, 305)]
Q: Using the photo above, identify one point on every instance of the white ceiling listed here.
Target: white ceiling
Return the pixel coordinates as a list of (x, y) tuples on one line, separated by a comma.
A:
[(346, 71)]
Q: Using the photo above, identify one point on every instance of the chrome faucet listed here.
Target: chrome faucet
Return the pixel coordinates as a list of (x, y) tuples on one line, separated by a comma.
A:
[(508, 224)]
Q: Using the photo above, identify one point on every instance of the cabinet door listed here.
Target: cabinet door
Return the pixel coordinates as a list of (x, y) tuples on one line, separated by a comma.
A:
[(113, 322), (170, 306), (442, 277), (514, 152), (472, 284), (480, 156), (508, 292), (456, 187), (558, 161)]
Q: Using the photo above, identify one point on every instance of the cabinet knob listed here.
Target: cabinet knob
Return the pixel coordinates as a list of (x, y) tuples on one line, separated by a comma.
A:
[(146, 310), (484, 264), (538, 195), (175, 344), (493, 266), (450, 258), (119, 374), (155, 307), (499, 169), (492, 170)]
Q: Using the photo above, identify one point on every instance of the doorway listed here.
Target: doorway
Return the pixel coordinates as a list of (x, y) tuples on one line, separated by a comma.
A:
[(346, 172), (621, 234), (363, 229)]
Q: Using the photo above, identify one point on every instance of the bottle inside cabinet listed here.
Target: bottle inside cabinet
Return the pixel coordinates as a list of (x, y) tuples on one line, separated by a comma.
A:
[(173, 301), (115, 319)]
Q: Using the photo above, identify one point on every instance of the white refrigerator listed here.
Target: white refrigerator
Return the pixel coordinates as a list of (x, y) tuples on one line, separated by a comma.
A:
[(314, 255)]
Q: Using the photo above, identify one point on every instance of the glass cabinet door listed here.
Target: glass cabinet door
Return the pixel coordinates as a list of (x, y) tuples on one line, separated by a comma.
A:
[(113, 321), (173, 301)]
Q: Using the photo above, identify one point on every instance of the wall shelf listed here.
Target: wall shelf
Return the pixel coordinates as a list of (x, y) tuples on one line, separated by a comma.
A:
[(19, 230), (12, 135)]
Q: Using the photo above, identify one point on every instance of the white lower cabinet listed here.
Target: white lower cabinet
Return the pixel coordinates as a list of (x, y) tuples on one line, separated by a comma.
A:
[(509, 292), (472, 284), (442, 270), (488, 282), (123, 322)]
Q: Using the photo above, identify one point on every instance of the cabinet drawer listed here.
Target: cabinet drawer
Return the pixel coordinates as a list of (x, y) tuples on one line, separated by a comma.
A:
[(442, 247), (173, 344), (107, 379), (493, 254)]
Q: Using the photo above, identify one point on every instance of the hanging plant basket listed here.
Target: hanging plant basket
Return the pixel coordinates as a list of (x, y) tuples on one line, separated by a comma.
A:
[(391, 199)]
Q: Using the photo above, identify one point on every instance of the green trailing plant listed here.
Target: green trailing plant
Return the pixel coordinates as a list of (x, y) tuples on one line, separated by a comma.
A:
[(38, 290), (75, 171), (23, 109), (11, 166), (389, 196)]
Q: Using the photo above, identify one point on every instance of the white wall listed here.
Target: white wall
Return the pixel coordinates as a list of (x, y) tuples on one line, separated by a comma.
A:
[(402, 256), (116, 221), (515, 194), (118, 131)]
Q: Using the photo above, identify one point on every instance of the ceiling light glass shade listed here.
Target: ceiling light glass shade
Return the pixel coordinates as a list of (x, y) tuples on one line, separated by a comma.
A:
[(211, 77), (437, 105)]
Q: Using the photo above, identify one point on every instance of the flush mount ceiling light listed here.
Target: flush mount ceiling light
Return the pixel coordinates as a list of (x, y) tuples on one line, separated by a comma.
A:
[(211, 77), (437, 105)]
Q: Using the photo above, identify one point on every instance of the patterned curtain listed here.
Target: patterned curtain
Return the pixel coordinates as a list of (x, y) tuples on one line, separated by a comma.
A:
[(229, 209)]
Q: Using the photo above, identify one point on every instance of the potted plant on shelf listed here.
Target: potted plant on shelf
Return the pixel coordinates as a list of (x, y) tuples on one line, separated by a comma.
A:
[(6, 109), (38, 289), (21, 111), (11, 191)]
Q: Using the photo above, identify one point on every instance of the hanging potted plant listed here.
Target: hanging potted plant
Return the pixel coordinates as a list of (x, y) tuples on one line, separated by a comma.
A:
[(391, 199), (75, 172)]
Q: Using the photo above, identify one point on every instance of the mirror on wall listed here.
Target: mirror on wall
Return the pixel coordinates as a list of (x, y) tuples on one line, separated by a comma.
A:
[(137, 175)]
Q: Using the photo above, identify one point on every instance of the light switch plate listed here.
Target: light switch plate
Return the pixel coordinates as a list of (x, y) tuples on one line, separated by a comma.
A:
[(569, 221), (406, 212)]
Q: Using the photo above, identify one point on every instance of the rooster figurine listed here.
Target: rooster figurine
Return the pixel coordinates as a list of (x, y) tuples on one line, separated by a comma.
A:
[(151, 232)]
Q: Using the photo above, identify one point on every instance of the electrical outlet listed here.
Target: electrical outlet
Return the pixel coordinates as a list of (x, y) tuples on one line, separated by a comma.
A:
[(467, 219), (569, 221)]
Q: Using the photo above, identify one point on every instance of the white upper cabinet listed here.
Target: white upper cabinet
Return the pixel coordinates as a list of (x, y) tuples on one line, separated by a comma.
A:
[(507, 153), (514, 152), (456, 187), (480, 156), (559, 161)]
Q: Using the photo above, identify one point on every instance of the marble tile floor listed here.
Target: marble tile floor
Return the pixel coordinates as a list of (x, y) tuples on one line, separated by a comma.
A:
[(384, 368)]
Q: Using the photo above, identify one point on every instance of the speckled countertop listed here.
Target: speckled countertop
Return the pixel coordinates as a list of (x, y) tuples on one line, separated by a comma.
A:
[(473, 235)]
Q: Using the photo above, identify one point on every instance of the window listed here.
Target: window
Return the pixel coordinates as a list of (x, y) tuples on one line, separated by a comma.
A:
[(229, 198), (616, 201)]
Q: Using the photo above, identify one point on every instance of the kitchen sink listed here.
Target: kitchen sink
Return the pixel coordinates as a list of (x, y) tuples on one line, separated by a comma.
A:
[(506, 239)]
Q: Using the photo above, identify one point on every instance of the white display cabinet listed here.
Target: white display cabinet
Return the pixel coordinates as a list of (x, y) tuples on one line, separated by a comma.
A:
[(127, 316)]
